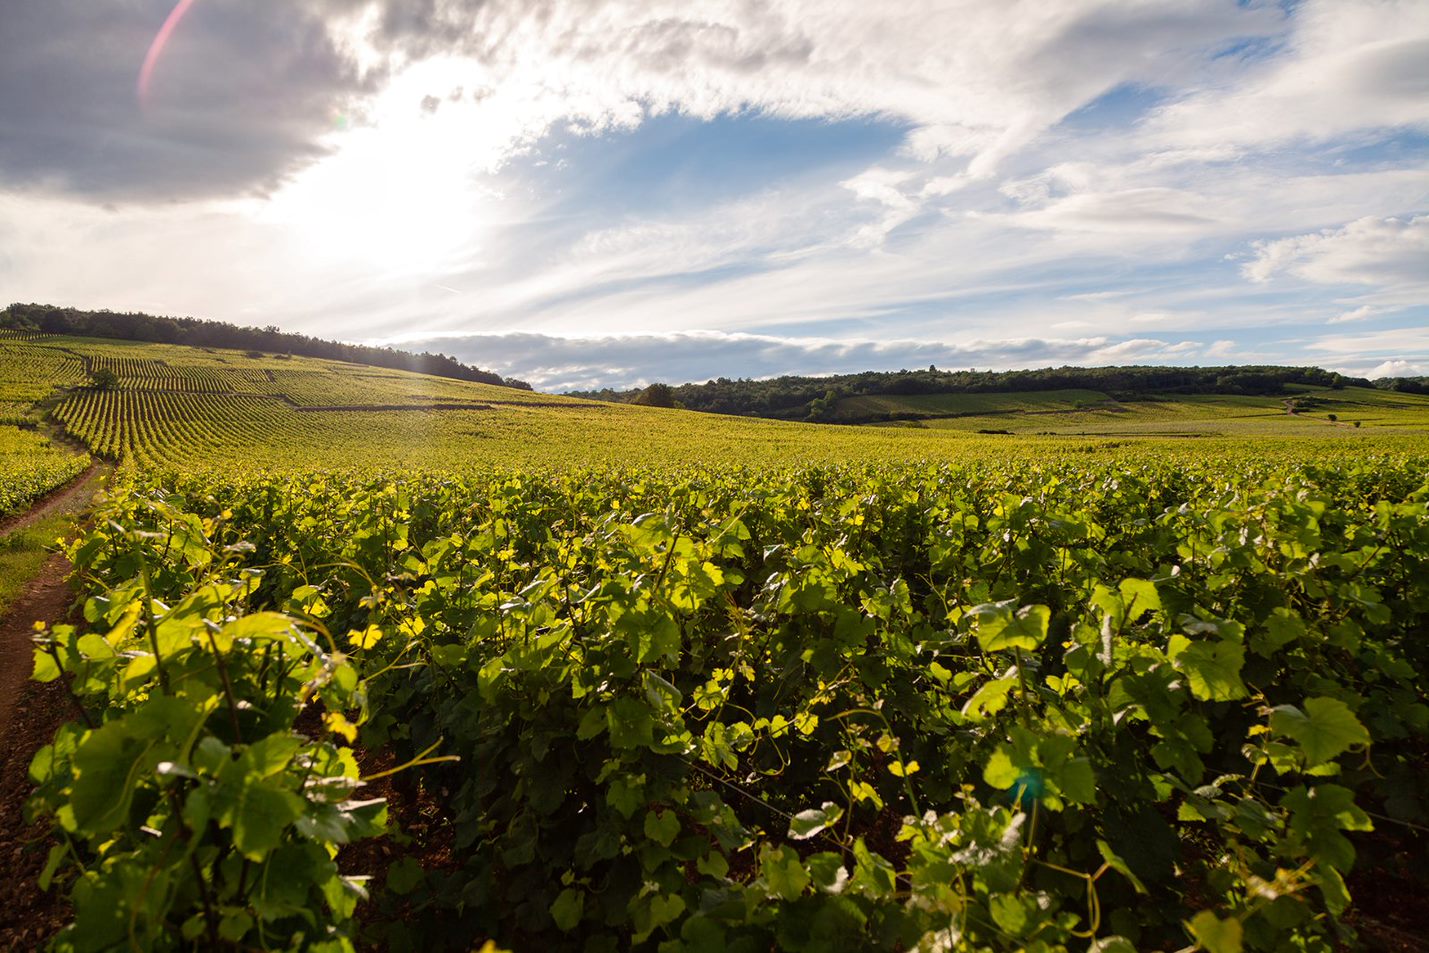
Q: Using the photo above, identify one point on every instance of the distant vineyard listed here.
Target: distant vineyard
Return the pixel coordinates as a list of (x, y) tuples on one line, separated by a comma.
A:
[(158, 428), (30, 467), (31, 370)]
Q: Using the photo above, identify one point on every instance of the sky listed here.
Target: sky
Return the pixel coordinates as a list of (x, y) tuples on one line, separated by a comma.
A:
[(598, 193)]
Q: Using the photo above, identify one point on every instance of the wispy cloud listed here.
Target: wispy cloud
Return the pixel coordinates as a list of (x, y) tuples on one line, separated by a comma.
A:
[(1210, 176), (1391, 253), (566, 363)]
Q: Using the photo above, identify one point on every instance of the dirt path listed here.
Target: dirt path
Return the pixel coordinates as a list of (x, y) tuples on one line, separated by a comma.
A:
[(29, 714), (47, 597)]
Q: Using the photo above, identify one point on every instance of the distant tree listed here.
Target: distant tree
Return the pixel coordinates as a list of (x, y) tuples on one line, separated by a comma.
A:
[(807, 398), (1333, 417), (1358, 423), (656, 395), (824, 407), (103, 379)]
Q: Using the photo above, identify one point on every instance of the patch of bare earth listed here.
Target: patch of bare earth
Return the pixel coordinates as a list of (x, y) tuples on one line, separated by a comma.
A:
[(29, 714)]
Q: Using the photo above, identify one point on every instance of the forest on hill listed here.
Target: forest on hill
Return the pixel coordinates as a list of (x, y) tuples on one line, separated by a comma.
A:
[(814, 398), (197, 332)]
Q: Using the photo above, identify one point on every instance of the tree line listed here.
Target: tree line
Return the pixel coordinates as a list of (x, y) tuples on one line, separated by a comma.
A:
[(814, 398), (196, 332)]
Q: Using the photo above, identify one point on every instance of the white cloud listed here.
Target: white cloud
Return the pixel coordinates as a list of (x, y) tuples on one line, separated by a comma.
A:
[(1121, 212), (975, 80), (1347, 65), (1388, 252), (1399, 350), (996, 220), (1362, 313), (1399, 369), (579, 363)]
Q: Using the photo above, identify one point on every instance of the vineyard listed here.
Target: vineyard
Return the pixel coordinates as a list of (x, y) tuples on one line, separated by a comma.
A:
[(369, 660), (30, 466), (1136, 707)]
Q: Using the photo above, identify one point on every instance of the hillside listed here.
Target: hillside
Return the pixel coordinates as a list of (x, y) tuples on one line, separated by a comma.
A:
[(834, 398), (1299, 410), (196, 332), (172, 405), (196, 408)]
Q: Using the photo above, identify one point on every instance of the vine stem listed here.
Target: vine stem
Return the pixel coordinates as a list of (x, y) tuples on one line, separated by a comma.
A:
[(152, 628)]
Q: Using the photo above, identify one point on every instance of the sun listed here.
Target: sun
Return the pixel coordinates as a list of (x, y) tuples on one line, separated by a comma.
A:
[(403, 189)]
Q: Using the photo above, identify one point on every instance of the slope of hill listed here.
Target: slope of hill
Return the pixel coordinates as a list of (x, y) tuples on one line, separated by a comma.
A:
[(172, 405), (823, 398), (1301, 409), (195, 332)]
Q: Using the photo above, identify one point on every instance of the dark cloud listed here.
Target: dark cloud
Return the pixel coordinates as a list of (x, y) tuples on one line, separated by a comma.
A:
[(241, 98), (560, 364), (419, 28)]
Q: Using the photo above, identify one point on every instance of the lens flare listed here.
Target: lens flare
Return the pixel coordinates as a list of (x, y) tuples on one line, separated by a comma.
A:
[(156, 49)]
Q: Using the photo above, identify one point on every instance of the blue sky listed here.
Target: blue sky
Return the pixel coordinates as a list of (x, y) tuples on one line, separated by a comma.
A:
[(590, 193)]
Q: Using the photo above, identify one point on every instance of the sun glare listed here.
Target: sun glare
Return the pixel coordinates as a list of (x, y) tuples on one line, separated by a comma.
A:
[(405, 185)]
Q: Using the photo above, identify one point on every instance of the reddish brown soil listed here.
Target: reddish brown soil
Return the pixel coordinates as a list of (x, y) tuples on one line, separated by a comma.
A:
[(29, 714)]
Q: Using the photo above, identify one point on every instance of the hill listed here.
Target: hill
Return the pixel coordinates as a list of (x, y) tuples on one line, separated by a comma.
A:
[(174, 406), (195, 407), (154, 329), (829, 398), (1300, 409)]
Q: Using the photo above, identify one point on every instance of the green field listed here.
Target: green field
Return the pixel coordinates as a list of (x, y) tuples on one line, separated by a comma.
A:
[(575, 676), (969, 405), (1089, 413)]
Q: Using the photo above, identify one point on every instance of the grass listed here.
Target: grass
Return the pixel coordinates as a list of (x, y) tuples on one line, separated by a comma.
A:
[(24, 552)]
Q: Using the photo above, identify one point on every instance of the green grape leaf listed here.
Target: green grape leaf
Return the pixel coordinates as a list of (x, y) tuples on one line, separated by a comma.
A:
[(260, 816), (1010, 913), (662, 827), (1078, 781), (808, 823), (990, 699), (567, 909), (1000, 629), (404, 876), (784, 872), (1140, 597), (1214, 934), (630, 724), (1213, 670), (1000, 772), (1325, 729)]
